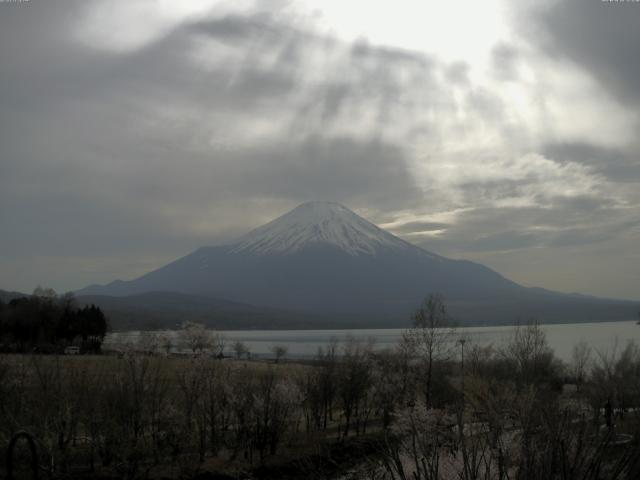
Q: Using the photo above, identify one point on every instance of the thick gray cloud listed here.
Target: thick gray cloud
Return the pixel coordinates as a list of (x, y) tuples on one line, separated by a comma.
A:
[(618, 165), (118, 157), (108, 153), (603, 36), (505, 61)]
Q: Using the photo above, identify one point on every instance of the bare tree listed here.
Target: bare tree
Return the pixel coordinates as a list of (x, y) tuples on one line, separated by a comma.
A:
[(328, 360), (276, 399), (413, 446), (216, 402), (240, 349), (67, 301), (389, 383), (219, 342), (279, 351), (614, 378), (45, 293), (166, 342), (432, 336), (242, 404), (354, 381), (580, 359), (530, 353), (195, 336), (191, 384), (148, 342)]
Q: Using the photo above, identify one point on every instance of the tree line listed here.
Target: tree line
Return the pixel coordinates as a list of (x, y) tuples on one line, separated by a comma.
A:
[(47, 322)]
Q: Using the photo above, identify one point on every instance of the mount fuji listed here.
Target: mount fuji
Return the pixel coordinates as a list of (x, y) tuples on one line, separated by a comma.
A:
[(323, 259), (316, 223)]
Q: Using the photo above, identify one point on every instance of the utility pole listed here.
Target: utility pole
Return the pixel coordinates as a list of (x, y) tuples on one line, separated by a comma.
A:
[(462, 341), (461, 438)]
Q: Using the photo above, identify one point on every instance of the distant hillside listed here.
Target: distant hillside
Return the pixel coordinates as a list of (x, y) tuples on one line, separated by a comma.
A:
[(7, 296), (158, 310)]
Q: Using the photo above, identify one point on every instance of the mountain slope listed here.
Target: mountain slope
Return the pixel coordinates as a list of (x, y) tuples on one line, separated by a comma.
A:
[(158, 310), (6, 296), (323, 258)]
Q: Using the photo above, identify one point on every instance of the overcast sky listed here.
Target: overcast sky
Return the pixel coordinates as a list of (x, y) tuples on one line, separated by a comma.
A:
[(502, 132)]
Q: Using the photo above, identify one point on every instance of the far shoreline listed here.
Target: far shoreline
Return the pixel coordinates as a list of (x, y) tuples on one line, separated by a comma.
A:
[(314, 328)]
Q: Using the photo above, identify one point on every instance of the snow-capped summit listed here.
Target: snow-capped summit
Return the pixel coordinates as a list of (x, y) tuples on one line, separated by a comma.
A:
[(318, 223)]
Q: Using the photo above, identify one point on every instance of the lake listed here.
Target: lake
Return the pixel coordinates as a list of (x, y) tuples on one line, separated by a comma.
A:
[(304, 343)]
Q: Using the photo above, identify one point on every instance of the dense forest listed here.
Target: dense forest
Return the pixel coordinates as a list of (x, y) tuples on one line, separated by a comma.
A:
[(47, 323)]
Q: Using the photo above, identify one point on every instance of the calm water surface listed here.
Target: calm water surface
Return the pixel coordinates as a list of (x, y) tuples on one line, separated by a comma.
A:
[(304, 343)]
